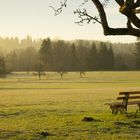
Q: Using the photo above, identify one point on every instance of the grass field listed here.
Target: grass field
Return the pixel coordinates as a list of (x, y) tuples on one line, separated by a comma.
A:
[(30, 107)]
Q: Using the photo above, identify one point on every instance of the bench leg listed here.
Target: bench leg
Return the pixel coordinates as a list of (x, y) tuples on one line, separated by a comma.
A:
[(121, 110), (136, 113), (126, 113), (114, 111)]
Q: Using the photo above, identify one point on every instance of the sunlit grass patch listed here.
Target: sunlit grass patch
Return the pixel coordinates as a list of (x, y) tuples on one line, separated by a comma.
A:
[(30, 108)]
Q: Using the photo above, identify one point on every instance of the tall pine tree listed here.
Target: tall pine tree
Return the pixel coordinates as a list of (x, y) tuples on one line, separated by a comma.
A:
[(103, 57), (74, 61), (92, 58), (111, 58), (45, 53)]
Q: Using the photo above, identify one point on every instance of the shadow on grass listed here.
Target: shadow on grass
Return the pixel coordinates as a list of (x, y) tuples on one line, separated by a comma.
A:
[(9, 115)]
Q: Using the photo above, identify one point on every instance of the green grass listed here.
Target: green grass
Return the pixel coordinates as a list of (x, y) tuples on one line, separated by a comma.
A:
[(29, 106)]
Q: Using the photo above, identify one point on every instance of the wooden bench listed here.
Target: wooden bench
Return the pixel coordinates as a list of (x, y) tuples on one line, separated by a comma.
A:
[(127, 98)]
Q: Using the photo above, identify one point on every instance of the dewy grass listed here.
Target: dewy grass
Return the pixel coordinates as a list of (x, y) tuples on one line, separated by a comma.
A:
[(53, 108)]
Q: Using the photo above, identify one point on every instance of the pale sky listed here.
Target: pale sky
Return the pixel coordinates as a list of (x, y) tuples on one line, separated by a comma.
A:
[(35, 18)]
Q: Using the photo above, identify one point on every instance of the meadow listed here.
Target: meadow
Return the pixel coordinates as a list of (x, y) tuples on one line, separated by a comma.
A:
[(53, 108)]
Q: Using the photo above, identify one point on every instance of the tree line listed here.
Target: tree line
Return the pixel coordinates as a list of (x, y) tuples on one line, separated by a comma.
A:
[(64, 56)]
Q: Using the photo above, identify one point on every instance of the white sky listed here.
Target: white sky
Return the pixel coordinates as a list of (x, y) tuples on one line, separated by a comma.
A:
[(35, 17)]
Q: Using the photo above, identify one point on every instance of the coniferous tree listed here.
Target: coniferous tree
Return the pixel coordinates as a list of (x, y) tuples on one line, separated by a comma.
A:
[(28, 59), (39, 67), (82, 53), (92, 58), (110, 58), (74, 61), (46, 54), (103, 57), (61, 56)]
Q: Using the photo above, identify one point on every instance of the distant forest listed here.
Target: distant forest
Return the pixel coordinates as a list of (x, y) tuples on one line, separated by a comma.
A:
[(62, 56)]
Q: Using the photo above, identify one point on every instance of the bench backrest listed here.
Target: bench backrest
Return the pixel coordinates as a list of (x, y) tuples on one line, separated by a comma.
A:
[(126, 96)]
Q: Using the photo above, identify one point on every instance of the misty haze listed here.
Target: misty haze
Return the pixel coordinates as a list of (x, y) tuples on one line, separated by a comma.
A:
[(70, 70)]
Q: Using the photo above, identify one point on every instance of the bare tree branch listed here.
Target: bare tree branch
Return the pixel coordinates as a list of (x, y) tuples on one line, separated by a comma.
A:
[(137, 11), (85, 17), (59, 10), (120, 2), (137, 4), (113, 31), (129, 8), (129, 26)]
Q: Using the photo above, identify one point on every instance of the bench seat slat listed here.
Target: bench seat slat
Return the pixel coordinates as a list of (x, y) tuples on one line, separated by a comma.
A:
[(130, 97), (131, 92), (133, 102)]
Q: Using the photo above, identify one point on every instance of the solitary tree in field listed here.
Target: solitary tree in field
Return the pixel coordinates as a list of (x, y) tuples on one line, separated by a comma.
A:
[(45, 53), (62, 74), (60, 54), (129, 8), (39, 68)]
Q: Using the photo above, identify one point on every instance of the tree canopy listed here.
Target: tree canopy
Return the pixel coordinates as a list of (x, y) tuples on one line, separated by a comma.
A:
[(129, 8)]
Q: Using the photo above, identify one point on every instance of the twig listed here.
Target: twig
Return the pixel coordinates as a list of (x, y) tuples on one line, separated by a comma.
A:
[(59, 10), (85, 17)]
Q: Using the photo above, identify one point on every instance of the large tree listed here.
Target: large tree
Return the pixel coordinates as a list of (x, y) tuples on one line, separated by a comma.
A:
[(60, 56), (104, 57), (46, 54), (92, 58), (74, 61), (129, 8)]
